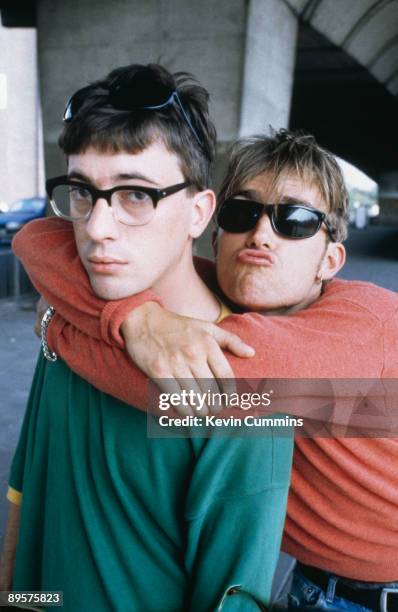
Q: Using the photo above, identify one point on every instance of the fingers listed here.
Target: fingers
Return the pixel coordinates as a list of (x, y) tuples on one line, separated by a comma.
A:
[(194, 396), (194, 369), (167, 386), (41, 307), (170, 389), (206, 379), (232, 343), (37, 328), (221, 371), (185, 395), (209, 387)]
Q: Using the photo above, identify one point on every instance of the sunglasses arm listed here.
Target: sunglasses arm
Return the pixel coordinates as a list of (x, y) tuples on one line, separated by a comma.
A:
[(180, 106)]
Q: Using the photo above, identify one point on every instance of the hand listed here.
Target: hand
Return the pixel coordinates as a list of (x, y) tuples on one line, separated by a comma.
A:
[(41, 308), (7, 560), (5, 579), (180, 353)]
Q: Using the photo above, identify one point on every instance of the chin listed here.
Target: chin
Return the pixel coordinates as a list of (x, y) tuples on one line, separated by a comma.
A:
[(250, 294), (110, 290), (245, 300)]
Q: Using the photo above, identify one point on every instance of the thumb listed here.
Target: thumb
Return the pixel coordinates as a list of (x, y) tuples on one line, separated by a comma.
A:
[(232, 343)]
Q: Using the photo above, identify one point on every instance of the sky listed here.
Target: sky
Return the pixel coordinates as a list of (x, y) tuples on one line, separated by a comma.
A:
[(355, 177)]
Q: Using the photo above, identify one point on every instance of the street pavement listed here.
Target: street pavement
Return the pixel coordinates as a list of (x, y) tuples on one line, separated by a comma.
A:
[(372, 256)]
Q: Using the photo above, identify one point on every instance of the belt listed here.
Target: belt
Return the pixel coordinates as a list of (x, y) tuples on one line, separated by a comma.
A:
[(383, 598)]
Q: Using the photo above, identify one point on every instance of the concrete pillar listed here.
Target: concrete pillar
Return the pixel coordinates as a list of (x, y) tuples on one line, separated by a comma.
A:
[(269, 66), (21, 151), (388, 197), (245, 60), (81, 40)]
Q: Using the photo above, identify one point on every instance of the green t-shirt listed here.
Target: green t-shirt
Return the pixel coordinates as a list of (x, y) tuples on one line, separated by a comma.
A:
[(122, 522)]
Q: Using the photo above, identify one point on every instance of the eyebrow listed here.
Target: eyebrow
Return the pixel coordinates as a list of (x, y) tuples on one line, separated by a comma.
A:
[(123, 176), (252, 194), (289, 200)]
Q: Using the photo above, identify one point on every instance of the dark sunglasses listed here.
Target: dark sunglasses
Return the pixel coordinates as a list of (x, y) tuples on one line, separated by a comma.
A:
[(143, 91), (293, 220)]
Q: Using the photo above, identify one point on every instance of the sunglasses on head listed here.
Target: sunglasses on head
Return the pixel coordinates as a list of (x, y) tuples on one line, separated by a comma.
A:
[(142, 91), (294, 220)]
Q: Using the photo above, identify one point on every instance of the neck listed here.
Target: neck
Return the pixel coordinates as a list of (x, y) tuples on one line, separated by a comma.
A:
[(182, 291)]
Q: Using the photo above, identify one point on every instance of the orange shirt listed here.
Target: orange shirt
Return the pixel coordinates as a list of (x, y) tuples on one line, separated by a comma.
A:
[(343, 503)]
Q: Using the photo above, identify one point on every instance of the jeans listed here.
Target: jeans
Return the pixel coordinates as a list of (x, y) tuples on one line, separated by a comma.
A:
[(305, 595)]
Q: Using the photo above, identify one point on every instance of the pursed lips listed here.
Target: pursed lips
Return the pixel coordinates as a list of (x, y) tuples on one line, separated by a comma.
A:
[(256, 257)]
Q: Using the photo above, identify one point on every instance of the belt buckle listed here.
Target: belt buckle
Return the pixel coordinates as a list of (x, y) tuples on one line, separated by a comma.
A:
[(384, 597)]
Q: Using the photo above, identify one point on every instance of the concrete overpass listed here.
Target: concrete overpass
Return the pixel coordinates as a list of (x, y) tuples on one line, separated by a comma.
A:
[(328, 66)]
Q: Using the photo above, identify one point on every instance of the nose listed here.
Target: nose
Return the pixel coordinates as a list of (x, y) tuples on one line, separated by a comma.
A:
[(102, 224), (262, 235)]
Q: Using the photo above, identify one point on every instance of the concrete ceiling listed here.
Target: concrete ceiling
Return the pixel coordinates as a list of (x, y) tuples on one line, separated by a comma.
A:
[(366, 30), (347, 108)]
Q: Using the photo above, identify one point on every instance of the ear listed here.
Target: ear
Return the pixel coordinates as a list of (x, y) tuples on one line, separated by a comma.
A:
[(204, 204), (333, 261)]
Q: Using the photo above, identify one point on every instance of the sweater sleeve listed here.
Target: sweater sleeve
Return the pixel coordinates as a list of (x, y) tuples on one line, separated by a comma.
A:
[(332, 338), (47, 249), (106, 367), (338, 336)]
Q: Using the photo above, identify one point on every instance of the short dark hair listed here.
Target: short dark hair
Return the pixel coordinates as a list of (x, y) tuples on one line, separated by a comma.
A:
[(97, 123), (286, 152)]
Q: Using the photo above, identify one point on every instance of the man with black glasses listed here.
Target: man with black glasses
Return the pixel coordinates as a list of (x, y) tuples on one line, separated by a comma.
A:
[(113, 519), (282, 216)]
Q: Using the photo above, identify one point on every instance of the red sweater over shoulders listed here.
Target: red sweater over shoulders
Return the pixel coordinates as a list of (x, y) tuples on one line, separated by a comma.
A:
[(343, 503)]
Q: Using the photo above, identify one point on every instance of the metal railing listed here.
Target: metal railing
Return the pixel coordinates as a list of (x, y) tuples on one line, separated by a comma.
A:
[(14, 282)]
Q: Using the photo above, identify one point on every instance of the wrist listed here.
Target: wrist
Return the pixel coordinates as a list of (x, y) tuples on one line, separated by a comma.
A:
[(136, 319), (115, 312)]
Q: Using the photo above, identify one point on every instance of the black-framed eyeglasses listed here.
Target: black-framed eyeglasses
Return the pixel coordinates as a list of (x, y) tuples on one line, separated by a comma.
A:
[(293, 220), (131, 204), (143, 91)]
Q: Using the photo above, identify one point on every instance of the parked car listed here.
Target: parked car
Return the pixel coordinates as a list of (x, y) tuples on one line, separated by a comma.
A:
[(19, 213)]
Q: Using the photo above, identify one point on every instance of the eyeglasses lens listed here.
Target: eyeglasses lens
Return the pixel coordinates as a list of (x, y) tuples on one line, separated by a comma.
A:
[(71, 202), (295, 221), (131, 207), (238, 216)]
